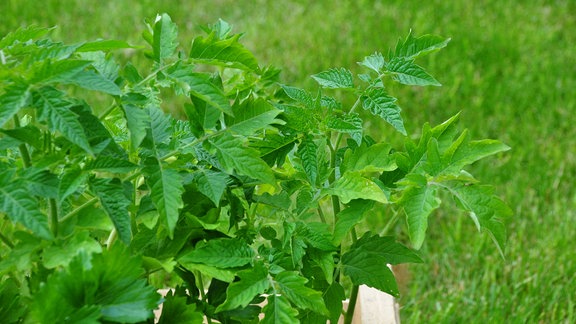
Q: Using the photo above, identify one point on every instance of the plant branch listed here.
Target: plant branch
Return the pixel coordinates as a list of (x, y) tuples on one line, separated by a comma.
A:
[(79, 209), (22, 147), (351, 305), (54, 216), (111, 238)]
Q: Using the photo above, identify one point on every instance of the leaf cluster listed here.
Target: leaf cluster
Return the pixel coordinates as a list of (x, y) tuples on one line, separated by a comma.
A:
[(203, 173)]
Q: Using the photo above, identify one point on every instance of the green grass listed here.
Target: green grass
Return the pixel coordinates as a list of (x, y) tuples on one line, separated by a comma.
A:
[(510, 69)]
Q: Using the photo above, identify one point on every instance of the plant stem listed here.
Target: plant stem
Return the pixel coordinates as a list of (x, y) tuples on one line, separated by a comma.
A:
[(111, 238), (79, 209), (351, 305), (54, 216), (107, 111), (6, 241), (22, 147), (321, 214)]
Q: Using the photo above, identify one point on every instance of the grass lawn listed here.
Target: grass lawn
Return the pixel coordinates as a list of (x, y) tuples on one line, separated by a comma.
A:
[(509, 69)]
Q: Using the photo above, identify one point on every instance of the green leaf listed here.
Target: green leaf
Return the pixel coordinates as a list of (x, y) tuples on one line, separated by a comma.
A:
[(463, 151), (252, 115), (352, 185), (333, 298), (379, 103), (374, 62), (200, 86), (374, 158), (23, 34), (279, 311), (62, 253), (413, 47), (20, 206), (299, 95), (72, 179), (252, 282), (58, 71), (166, 193), (56, 110), (335, 79), (221, 253), (224, 275), (175, 309), (111, 194), (274, 148), (165, 38), (211, 184), (385, 247), (418, 203), (28, 134), (93, 81), (224, 52), (104, 287), (349, 124), (349, 217), (12, 100), (137, 120), (111, 164), (12, 308), (371, 271), (104, 45), (234, 155), (407, 72), (308, 154), (293, 286)]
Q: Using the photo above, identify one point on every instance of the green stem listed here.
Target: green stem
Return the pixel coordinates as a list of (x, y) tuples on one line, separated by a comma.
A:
[(111, 238), (390, 223), (107, 111), (6, 241), (351, 305), (78, 209), (54, 216), (22, 147), (321, 214)]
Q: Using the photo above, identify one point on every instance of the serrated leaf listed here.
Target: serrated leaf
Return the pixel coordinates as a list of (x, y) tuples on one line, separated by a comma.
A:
[(373, 272), (252, 115), (175, 309), (200, 86), (413, 47), (165, 37), (111, 194), (335, 78), (102, 287), (28, 134), (41, 182), (308, 154), (227, 52), (317, 235), (349, 124), (418, 203), (374, 158), (235, 156), (352, 185), (224, 275), (463, 151), (21, 207), (57, 71), (111, 164), (252, 282), (379, 103), (12, 100), (407, 72), (221, 253), (137, 120), (103, 45), (333, 298), (212, 184), (91, 80), (274, 148), (349, 217), (56, 110), (374, 62), (279, 311), (71, 180), (166, 193), (23, 34), (384, 247), (293, 286), (62, 253), (299, 95)]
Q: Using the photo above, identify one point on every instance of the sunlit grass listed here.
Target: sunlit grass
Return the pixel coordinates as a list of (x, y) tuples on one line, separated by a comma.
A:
[(510, 69)]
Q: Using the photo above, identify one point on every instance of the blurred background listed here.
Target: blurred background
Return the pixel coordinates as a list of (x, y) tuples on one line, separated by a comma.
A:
[(511, 71)]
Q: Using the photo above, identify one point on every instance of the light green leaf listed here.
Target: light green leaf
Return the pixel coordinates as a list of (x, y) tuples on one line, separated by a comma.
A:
[(56, 110), (293, 286), (308, 154), (23, 34), (115, 203), (407, 72), (418, 203), (364, 269), (103, 45), (252, 282), (138, 120), (165, 38), (175, 309), (279, 311), (385, 247), (225, 52), (379, 103), (91, 80), (211, 183), (166, 186), (12, 100), (352, 185), (252, 115), (299, 95), (28, 134), (463, 151), (58, 71), (234, 155), (225, 275), (221, 253), (335, 78), (349, 217), (413, 47), (349, 124), (61, 253), (374, 62), (374, 158), (20, 206)]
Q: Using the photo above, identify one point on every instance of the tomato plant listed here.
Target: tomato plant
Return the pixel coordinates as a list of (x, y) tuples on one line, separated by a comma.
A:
[(240, 190)]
